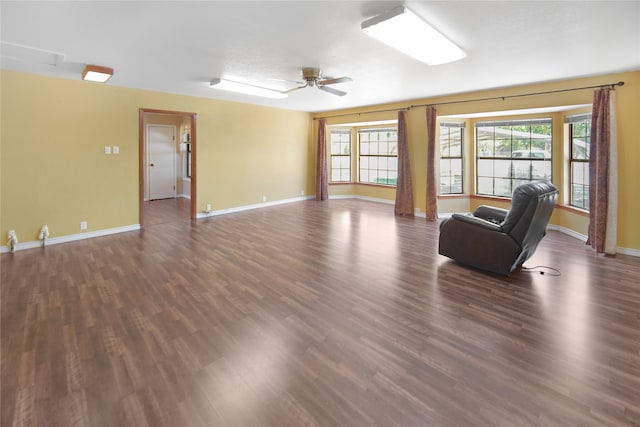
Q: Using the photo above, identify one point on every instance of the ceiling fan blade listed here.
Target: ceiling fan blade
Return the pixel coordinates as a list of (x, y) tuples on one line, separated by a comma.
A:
[(296, 88), (332, 80), (332, 90)]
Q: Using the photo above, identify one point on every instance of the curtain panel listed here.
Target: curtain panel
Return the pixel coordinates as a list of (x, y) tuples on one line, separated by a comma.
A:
[(322, 174), (404, 187), (432, 195), (603, 174)]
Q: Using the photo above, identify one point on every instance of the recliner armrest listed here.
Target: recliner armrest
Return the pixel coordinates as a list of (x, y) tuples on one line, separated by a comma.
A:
[(477, 221), (491, 214)]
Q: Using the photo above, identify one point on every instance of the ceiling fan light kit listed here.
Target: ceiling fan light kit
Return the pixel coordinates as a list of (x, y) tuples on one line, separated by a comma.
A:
[(399, 28), (245, 88), (403, 30), (313, 77)]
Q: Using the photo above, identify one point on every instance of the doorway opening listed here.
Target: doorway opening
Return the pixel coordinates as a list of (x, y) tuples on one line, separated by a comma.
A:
[(167, 165)]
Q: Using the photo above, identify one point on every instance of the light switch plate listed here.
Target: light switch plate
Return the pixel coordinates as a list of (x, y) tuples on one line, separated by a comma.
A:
[(107, 149)]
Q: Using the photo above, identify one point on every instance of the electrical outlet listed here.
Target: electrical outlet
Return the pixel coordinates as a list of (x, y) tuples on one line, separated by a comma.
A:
[(264, 198), (302, 192), (115, 149), (208, 208), (83, 225)]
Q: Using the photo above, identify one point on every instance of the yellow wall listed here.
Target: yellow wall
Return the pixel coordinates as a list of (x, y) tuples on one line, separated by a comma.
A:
[(55, 172), (627, 108)]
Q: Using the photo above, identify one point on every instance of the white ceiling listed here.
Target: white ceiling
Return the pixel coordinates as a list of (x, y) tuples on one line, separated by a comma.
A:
[(179, 46)]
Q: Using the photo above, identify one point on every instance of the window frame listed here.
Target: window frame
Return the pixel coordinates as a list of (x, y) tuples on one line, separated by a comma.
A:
[(513, 180), (378, 130), (575, 161), (451, 125), (343, 131)]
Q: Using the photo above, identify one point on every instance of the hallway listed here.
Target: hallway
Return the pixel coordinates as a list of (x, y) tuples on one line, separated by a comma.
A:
[(165, 210)]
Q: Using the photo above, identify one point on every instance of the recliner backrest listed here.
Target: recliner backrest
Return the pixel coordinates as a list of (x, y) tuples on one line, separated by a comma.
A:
[(526, 208)]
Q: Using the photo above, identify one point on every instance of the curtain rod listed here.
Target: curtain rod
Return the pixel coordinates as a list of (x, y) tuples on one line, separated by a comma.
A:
[(363, 112), (611, 85)]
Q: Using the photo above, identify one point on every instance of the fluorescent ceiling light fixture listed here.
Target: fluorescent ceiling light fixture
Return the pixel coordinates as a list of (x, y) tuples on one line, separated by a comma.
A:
[(527, 111), (94, 73), (405, 31), (246, 88)]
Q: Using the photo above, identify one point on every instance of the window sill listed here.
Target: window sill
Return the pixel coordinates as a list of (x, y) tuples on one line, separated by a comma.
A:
[(368, 184), (567, 208), (453, 196), (574, 210), (496, 198)]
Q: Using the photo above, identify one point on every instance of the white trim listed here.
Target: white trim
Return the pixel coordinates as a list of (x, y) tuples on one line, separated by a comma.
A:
[(250, 207), (187, 181), (72, 237), (370, 199), (628, 251), (444, 215), (583, 237), (567, 231), (134, 227), (419, 214)]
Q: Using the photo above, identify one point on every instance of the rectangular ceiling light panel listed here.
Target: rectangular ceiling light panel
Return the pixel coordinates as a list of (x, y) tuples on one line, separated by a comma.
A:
[(94, 73), (246, 88), (405, 31)]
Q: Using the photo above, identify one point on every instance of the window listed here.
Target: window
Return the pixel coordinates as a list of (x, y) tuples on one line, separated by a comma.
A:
[(451, 158), (580, 142), (378, 155), (511, 153), (340, 155)]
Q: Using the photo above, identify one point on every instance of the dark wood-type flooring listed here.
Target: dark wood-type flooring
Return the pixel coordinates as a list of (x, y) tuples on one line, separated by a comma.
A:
[(314, 314), (165, 210)]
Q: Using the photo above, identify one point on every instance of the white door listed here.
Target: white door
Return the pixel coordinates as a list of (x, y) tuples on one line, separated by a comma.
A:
[(161, 161)]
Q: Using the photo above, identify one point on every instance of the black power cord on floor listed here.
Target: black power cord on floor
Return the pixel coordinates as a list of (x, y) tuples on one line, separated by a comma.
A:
[(540, 269)]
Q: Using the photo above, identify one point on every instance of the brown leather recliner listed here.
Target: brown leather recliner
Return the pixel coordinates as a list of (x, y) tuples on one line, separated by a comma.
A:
[(498, 240)]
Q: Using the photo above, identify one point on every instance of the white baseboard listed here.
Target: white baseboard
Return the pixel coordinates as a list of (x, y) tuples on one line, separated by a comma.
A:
[(370, 199), (628, 251), (583, 237), (72, 237), (567, 231), (134, 227), (184, 196), (418, 213), (439, 215), (250, 207)]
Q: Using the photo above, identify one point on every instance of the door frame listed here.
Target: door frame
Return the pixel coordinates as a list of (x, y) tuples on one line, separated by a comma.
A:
[(142, 156)]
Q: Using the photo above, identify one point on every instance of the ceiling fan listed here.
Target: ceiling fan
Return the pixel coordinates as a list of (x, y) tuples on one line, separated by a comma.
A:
[(313, 77)]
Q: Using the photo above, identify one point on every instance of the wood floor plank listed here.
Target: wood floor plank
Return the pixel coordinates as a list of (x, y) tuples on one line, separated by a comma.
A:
[(313, 314)]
